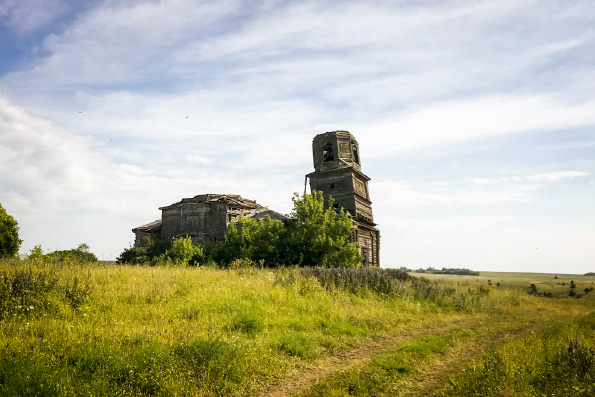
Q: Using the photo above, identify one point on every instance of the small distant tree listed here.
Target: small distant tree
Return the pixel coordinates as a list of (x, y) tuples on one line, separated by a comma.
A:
[(533, 290), (36, 254), (9, 235), (572, 284), (81, 254), (183, 253)]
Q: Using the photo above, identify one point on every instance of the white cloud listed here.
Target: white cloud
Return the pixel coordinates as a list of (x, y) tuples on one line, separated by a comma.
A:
[(133, 105), (543, 177), (420, 195), (476, 118), (62, 190)]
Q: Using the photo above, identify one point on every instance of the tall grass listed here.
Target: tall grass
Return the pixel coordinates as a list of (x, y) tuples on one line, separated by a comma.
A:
[(559, 361), (93, 329)]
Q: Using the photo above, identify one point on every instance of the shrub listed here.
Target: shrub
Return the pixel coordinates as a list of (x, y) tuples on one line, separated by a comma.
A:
[(25, 293), (148, 254), (387, 282), (81, 254), (183, 253), (317, 235), (9, 235)]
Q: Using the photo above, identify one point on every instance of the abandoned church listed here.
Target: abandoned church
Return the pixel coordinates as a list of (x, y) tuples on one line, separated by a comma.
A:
[(337, 173)]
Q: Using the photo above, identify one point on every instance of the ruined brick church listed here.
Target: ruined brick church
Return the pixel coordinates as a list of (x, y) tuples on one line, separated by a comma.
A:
[(337, 173)]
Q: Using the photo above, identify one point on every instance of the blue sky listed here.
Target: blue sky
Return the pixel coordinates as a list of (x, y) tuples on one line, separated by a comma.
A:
[(476, 119)]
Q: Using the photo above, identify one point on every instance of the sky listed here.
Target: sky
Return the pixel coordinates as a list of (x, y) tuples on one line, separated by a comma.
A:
[(475, 119)]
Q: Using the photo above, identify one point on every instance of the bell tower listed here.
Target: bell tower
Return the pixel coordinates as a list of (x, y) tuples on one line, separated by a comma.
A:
[(337, 173)]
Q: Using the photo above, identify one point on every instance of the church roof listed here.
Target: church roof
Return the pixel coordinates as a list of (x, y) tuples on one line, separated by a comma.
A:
[(262, 215), (233, 199), (152, 227)]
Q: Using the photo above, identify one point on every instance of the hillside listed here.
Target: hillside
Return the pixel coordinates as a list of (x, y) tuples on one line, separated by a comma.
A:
[(105, 329)]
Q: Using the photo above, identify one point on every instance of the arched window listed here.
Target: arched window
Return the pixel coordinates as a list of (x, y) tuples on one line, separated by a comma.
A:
[(327, 152)]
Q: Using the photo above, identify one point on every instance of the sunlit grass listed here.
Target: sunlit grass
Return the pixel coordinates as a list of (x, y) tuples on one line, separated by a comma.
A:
[(105, 329)]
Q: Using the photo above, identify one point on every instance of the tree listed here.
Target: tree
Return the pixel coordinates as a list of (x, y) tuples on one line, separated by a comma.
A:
[(9, 235), (183, 253), (319, 236), (81, 254), (315, 236), (148, 254), (262, 240)]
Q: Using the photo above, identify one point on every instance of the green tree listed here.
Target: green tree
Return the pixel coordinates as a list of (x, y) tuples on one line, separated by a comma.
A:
[(36, 254), (81, 254), (9, 235), (318, 235), (146, 255), (183, 253), (257, 240)]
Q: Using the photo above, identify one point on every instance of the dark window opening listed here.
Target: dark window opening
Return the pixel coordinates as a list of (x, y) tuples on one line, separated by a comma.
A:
[(332, 185), (327, 152), (355, 155)]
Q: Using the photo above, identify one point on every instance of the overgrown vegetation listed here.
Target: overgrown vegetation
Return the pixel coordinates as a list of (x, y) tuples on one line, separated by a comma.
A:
[(314, 236), (562, 363), (387, 282), (81, 254)]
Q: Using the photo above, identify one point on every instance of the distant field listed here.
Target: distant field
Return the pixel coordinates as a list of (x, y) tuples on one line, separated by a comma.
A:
[(101, 329), (545, 282)]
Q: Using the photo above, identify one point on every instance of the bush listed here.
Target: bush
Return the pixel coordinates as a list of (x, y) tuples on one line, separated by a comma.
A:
[(24, 293), (387, 282), (315, 236), (146, 255), (183, 253), (81, 254), (9, 235)]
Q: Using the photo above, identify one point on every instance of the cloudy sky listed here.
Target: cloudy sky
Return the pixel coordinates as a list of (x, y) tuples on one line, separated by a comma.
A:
[(476, 119)]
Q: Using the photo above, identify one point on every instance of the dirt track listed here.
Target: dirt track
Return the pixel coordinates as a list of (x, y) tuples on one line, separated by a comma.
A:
[(427, 379)]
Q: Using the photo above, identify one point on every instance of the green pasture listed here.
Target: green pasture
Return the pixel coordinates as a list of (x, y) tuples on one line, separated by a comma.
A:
[(102, 329), (556, 284)]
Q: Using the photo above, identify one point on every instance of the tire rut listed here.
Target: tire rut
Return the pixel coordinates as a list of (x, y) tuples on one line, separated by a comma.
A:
[(343, 361)]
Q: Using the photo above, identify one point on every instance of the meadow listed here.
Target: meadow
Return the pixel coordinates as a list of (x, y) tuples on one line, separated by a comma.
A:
[(103, 329)]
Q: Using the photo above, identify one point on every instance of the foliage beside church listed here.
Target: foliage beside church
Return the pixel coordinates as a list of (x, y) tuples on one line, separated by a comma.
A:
[(315, 235)]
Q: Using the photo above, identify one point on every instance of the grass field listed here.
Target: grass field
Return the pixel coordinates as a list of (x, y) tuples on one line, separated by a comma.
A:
[(124, 330), (559, 287)]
